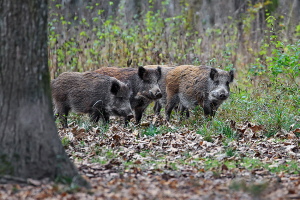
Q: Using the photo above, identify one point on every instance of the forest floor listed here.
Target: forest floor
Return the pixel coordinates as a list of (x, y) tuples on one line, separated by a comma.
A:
[(175, 162)]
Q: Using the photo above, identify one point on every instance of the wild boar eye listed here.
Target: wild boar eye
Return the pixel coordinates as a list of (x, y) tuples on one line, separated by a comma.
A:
[(217, 82)]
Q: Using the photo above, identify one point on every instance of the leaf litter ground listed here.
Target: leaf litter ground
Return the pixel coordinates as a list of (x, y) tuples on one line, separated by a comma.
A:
[(177, 163)]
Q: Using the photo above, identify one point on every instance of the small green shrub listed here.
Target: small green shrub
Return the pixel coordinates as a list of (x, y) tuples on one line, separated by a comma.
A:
[(230, 152), (151, 131), (65, 142)]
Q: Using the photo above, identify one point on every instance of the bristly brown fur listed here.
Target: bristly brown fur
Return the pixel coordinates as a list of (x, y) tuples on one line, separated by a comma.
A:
[(122, 74), (197, 85), (97, 95), (143, 83)]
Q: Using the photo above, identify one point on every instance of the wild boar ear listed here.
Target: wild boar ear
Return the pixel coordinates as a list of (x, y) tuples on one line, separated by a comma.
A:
[(159, 72), (213, 73), (115, 87), (141, 72), (231, 74)]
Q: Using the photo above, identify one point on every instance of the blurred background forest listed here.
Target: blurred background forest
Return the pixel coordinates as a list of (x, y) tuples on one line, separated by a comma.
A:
[(85, 35)]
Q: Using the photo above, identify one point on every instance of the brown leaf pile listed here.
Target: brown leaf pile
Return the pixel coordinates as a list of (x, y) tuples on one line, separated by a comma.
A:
[(122, 163)]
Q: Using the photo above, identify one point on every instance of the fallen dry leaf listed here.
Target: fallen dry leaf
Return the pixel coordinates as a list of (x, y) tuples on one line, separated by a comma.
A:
[(297, 130)]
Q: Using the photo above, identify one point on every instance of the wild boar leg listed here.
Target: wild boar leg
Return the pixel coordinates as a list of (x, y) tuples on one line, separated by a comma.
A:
[(207, 109), (157, 107), (184, 111), (171, 103), (63, 113), (214, 108), (138, 113), (95, 116), (126, 120), (105, 116), (210, 109)]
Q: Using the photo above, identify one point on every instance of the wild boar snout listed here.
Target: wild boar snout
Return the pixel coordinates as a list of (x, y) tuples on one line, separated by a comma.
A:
[(155, 92), (219, 94), (130, 116), (223, 95), (129, 112)]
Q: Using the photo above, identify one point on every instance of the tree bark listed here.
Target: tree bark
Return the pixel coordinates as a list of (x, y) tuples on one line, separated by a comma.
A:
[(29, 143)]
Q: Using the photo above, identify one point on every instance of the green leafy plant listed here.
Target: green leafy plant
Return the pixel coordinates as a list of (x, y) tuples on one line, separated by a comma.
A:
[(65, 142), (151, 131), (230, 152)]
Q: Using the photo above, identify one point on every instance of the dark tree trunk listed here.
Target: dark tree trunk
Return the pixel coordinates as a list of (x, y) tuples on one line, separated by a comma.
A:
[(29, 143)]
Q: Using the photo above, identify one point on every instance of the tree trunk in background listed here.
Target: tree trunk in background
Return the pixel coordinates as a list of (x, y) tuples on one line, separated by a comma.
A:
[(29, 143)]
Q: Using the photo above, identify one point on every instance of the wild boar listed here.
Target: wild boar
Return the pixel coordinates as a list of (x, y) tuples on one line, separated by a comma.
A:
[(97, 95), (197, 85), (162, 84), (143, 83), (159, 103)]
